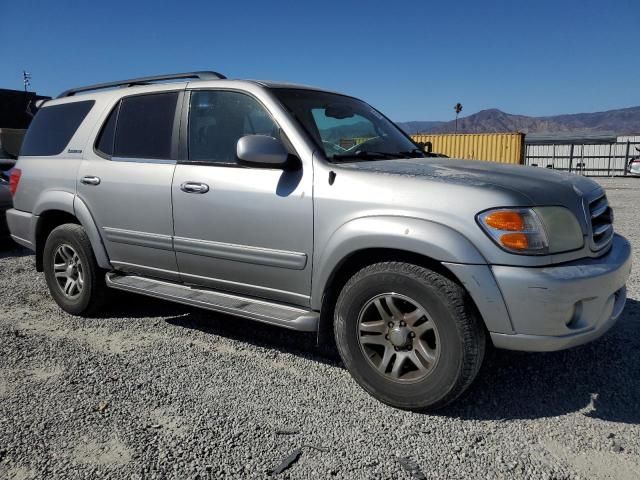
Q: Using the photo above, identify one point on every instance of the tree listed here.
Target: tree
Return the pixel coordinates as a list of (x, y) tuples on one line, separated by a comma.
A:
[(458, 108)]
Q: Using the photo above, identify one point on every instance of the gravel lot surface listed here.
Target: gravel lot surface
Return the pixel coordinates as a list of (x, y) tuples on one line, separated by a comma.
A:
[(156, 390)]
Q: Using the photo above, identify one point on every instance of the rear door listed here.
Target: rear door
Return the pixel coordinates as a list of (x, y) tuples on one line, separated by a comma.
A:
[(243, 229), (125, 180)]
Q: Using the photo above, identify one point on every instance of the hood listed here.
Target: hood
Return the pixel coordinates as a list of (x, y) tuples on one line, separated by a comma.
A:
[(541, 186)]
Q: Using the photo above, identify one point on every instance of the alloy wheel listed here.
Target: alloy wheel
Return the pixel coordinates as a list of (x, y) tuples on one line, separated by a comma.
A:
[(68, 271), (398, 337)]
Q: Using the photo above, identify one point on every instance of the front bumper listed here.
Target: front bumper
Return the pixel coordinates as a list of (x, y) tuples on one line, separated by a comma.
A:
[(558, 307)]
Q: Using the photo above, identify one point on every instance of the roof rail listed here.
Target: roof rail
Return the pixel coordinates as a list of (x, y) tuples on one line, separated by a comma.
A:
[(144, 80)]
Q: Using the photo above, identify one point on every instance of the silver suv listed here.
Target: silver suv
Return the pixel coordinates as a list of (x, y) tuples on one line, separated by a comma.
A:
[(312, 211)]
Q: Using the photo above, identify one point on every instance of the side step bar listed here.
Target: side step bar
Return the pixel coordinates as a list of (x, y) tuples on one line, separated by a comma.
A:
[(286, 316)]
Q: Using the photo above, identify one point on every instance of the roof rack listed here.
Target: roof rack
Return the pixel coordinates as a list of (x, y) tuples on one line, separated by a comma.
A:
[(144, 80)]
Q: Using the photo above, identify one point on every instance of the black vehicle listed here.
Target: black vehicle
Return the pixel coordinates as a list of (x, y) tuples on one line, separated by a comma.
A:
[(5, 204)]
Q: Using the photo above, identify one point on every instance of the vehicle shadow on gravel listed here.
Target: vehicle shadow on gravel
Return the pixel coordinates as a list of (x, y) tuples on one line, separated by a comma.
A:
[(304, 345), (8, 249), (601, 379), (258, 334)]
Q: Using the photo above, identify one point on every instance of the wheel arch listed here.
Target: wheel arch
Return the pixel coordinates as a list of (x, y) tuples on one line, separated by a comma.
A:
[(357, 260), (61, 213), (433, 246), (418, 239), (46, 222)]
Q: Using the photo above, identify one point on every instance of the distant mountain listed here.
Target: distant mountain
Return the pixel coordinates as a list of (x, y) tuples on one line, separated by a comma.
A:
[(418, 126), (622, 121), (352, 130)]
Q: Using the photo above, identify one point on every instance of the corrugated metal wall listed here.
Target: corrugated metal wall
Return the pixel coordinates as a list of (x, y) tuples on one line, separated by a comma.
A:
[(629, 138), (493, 147), (598, 159)]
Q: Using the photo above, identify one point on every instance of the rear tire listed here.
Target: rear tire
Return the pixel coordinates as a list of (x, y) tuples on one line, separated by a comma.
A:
[(409, 336), (73, 276)]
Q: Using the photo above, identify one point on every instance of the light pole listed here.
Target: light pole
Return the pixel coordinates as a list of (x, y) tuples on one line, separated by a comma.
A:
[(458, 108)]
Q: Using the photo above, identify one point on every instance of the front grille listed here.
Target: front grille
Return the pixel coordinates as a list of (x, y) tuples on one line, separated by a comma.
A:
[(601, 217)]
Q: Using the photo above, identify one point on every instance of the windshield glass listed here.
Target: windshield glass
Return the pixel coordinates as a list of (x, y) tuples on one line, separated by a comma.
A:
[(345, 128)]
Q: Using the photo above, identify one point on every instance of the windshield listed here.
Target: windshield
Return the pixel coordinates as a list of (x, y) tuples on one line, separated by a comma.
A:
[(345, 128)]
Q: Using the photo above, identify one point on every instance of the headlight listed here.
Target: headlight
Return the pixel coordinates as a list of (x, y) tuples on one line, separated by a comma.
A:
[(533, 231)]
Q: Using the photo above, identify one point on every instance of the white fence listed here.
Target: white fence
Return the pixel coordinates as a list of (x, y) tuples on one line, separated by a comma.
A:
[(597, 160)]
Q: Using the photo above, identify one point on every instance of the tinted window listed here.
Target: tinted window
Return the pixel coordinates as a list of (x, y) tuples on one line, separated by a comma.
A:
[(52, 128), (107, 135), (218, 119), (145, 125)]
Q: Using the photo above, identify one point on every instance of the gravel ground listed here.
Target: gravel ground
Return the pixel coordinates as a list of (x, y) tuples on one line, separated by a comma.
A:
[(156, 390)]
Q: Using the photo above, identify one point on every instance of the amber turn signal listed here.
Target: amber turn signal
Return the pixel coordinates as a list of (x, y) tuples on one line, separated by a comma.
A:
[(505, 220), (515, 241)]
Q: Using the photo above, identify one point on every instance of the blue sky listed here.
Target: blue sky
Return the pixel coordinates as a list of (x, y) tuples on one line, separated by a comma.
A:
[(413, 60)]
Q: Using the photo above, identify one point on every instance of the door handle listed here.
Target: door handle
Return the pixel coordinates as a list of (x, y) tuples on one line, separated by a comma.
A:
[(90, 180), (194, 187)]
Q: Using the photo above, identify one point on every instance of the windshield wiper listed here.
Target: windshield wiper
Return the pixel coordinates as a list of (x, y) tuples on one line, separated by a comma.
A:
[(415, 153), (366, 155)]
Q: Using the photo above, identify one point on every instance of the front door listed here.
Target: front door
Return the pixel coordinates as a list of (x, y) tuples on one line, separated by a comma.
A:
[(125, 181), (240, 229)]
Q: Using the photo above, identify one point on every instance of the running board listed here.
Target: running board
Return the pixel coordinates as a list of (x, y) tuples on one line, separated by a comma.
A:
[(286, 316)]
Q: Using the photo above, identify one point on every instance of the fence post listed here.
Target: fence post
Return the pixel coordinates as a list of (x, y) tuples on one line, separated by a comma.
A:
[(570, 157), (626, 158), (553, 159), (609, 162)]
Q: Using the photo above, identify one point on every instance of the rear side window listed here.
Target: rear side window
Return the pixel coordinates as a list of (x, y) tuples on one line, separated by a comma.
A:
[(52, 128), (145, 126)]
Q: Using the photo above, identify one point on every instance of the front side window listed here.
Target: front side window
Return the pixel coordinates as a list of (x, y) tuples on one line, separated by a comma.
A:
[(218, 119), (345, 128), (145, 126), (52, 128)]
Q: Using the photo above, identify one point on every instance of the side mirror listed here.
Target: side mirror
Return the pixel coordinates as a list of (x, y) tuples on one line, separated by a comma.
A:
[(261, 151)]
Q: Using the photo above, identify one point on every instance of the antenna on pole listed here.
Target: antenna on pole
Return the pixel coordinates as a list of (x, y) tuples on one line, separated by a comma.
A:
[(458, 108), (26, 79)]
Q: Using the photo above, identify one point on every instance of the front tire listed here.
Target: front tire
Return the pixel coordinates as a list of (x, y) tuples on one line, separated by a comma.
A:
[(409, 336), (73, 276)]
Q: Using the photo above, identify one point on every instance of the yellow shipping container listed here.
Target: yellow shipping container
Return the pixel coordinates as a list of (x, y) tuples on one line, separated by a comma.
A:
[(493, 147)]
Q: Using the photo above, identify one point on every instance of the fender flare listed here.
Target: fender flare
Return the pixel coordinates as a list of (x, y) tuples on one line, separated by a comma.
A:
[(423, 237), (86, 219)]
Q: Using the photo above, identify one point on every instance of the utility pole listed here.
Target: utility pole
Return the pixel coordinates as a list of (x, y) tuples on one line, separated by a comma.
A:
[(26, 79), (458, 108)]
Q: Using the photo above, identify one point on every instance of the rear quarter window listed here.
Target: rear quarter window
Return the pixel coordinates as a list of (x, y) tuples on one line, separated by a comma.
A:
[(52, 128), (107, 135)]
